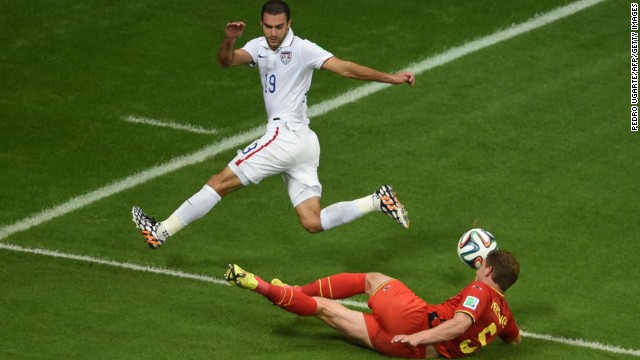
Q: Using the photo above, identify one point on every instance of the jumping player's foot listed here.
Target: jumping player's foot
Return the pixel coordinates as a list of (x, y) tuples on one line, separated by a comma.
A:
[(390, 205), (148, 227), (236, 276)]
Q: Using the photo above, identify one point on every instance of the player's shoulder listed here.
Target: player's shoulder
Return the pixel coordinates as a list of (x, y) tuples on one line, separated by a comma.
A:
[(478, 286), (478, 289), (305, 43), (254, 43)]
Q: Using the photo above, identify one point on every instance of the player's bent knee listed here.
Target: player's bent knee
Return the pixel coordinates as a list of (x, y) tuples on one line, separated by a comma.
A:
[(309, 214), (312, 226)]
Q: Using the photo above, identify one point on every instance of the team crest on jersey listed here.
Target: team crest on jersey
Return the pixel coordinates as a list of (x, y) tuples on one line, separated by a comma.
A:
[(471, 302), (285, 57)]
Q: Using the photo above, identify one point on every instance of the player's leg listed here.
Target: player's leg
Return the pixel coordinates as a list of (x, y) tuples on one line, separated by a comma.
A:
[(198, 205), (338, 286), (342, 285), (349, 322), (355, 325), (226, 181), (396, 310), (251, 165), (315, 219), (305, 191), (286, 297), (309, 214)]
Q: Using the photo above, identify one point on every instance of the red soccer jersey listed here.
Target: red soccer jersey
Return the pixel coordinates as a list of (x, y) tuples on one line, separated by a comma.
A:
[(490, 314)]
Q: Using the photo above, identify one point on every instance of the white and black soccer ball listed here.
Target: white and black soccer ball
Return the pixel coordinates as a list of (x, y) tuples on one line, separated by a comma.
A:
[(475, 245)]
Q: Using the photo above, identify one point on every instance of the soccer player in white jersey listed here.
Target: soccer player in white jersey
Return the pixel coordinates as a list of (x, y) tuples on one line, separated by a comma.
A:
[(288, 147)]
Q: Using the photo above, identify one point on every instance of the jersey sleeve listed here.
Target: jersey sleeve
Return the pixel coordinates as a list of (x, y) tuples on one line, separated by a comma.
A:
[(510, 332), (475, 299), (313, 55), (253, 47)]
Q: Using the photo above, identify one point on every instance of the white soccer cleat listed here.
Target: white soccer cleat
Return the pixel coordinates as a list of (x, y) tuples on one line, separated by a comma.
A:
[(148, 227), (390, 205)]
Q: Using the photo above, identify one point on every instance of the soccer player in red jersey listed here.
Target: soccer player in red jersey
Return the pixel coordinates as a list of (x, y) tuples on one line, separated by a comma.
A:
[(402, 324)]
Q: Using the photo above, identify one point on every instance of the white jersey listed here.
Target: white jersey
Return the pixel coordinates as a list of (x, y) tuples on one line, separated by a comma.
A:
[(286, 76)]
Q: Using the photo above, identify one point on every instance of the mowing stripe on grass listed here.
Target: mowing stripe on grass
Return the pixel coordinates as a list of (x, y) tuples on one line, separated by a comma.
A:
[(129, 182), (458, 52), (356, 304), (129, 266), (172, 125), (316, 110), (235, 141)]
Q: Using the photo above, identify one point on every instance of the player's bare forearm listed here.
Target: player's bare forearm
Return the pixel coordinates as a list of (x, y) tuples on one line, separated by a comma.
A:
[(446, 331), (225, 53), (232, 31), (431, 336), (352, 70)]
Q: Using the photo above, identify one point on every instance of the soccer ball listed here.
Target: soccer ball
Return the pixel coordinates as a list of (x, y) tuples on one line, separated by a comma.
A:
[(475, 245)]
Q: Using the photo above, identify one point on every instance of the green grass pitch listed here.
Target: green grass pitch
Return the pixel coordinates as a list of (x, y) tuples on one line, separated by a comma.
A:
[(528, 138)]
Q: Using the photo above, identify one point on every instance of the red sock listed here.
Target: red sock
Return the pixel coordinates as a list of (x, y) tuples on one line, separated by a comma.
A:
[(339, 286), (288, 298)]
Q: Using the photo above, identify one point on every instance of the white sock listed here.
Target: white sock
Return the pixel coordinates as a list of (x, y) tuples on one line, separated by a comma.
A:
[(193, 209), (169, 227), (347, 211)]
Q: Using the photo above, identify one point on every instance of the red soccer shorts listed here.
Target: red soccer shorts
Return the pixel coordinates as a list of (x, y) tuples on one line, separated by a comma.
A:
[(396, 310)]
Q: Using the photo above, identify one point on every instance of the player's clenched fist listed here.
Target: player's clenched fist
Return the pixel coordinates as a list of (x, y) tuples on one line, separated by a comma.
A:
[(234, 30)]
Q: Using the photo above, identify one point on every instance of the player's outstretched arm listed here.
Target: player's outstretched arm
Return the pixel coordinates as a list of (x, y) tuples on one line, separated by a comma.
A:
[(227, 56), (448, 330), (352, 70)]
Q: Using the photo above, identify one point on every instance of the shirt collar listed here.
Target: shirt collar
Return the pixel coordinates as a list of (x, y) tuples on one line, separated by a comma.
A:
[(285, 43)]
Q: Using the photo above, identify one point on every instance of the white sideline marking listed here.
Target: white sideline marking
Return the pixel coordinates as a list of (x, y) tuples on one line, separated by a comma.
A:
[(172, 125), (357, 304), (89, 259), (316, 110), (456, 53), (581, 343), (233, 142), (129, 182)]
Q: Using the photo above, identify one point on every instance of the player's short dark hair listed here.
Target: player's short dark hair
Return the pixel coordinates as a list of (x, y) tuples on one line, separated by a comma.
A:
[(275, 7), (506, 268)]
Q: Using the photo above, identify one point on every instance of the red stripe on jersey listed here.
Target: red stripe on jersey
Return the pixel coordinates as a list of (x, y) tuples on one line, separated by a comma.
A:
[(239, 161)]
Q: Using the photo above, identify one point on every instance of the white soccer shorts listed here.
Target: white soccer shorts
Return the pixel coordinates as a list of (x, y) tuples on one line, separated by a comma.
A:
[(294, 154)]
